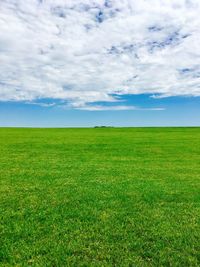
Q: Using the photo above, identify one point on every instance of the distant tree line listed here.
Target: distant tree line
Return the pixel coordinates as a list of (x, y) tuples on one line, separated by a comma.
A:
[(103, 126)]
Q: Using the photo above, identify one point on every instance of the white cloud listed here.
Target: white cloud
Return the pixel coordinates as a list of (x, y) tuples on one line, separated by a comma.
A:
[(86, 50), (117, 107)]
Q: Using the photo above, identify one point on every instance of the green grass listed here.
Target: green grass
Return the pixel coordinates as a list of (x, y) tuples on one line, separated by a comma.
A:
[(100, 197)]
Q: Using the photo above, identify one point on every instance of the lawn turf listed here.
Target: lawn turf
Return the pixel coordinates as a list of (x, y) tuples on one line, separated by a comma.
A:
[(100, 197)]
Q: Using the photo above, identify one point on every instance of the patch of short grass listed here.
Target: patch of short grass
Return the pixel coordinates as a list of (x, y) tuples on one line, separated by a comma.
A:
[(100, 197)]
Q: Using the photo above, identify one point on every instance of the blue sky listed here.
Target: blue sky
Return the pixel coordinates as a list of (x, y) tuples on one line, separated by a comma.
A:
[(175, 111), (93, 62)]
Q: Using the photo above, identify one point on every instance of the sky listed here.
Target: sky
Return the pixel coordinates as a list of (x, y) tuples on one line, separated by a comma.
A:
[(71, 63)]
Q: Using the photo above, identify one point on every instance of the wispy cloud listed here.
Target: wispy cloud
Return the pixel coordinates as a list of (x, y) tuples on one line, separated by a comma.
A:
[(114, 108), (86, 50), (41, 104)]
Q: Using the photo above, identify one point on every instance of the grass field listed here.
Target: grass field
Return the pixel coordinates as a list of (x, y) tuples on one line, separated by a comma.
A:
[(100, 197)]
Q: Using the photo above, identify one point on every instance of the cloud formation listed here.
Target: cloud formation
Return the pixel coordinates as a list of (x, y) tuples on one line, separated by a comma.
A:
[(84, 51)]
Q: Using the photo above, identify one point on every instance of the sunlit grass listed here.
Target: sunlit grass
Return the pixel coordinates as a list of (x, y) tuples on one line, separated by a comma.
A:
[(100, 197)]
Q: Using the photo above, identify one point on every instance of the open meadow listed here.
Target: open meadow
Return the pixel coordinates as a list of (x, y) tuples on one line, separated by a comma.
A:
[(100, 197)]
